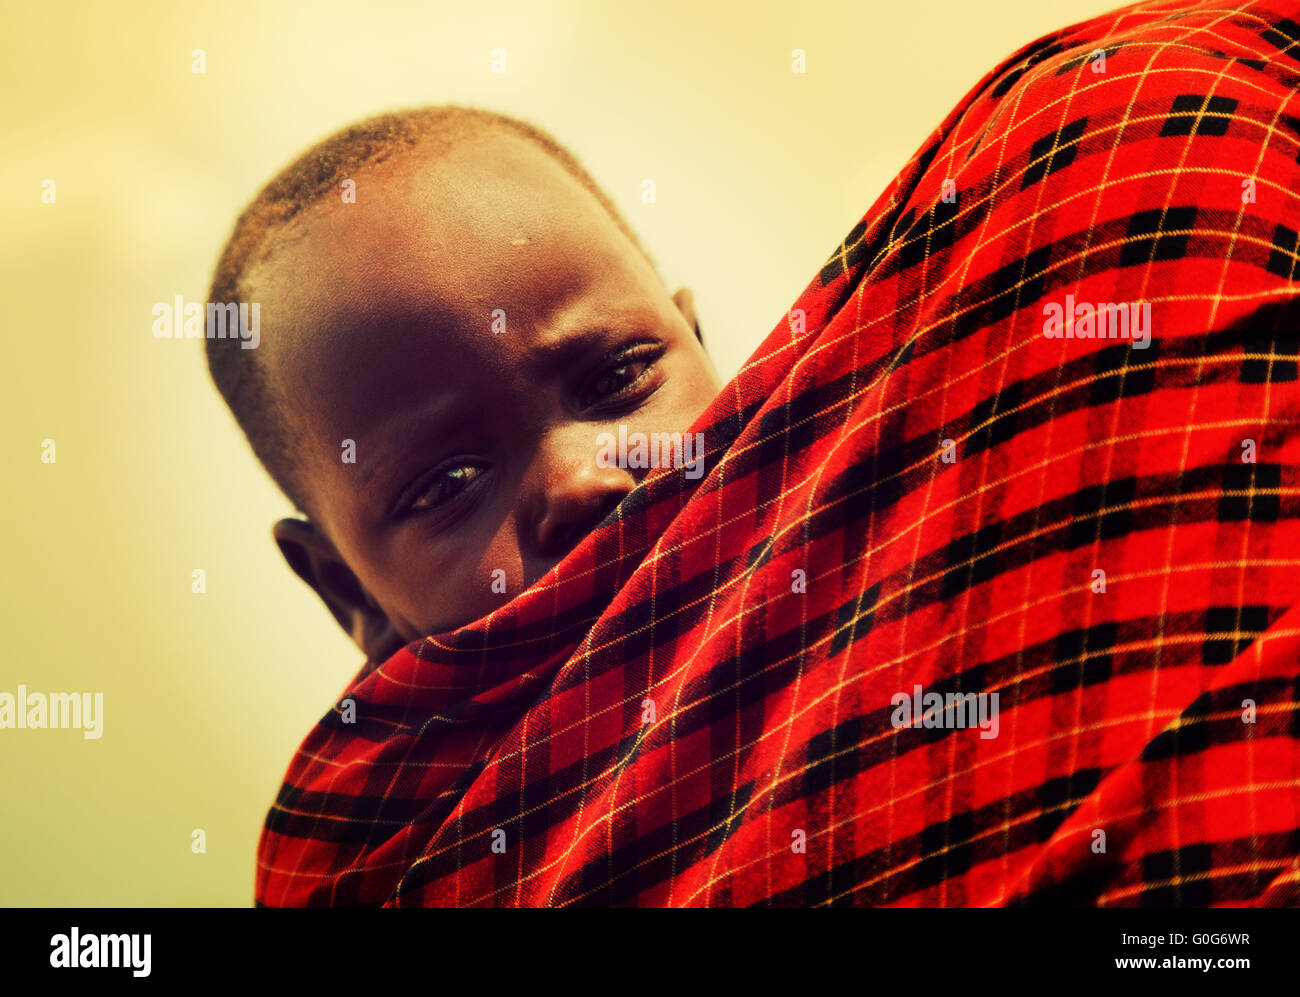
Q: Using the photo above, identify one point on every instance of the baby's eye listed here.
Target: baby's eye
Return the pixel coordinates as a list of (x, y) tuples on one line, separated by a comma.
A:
[(620, 377), (447, 483), (628, 370)]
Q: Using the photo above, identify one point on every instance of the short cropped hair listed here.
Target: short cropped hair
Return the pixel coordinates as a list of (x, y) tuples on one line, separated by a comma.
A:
[(305, 182)]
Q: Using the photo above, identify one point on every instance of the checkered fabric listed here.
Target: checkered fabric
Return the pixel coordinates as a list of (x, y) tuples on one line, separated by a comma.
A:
[(927, 476)]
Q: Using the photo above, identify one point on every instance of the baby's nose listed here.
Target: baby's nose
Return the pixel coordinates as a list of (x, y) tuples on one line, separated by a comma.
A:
[(574, 498)]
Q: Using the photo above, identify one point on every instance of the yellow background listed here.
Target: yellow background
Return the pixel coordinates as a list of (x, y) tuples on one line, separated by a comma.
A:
[(759, 173)]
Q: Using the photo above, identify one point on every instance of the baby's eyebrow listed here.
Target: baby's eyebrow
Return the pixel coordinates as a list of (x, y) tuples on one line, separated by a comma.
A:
[(558, 354), (374, 455)]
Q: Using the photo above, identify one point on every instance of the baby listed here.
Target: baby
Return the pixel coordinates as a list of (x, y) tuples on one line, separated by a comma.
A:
[(453, 316)]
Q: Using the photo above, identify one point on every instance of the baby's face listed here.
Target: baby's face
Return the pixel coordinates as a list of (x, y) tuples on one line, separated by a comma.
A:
[(473, 324)]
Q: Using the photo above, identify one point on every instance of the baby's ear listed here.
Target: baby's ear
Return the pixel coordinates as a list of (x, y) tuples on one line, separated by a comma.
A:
[(313, 558), (685, 302)]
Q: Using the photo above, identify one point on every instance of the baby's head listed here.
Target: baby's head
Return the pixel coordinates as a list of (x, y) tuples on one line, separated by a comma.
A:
[(442, 343)]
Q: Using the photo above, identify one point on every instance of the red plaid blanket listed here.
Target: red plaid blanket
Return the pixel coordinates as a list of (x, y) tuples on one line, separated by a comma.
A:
[(987, 594)]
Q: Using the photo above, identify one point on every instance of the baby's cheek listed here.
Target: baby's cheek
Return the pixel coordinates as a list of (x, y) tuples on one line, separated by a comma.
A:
[(692, 385), (463, 589)]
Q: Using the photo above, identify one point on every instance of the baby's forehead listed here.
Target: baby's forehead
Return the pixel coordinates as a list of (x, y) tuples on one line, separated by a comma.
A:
[(487, 215), (488, 180)]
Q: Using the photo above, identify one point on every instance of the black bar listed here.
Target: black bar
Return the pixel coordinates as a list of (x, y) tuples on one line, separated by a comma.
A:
[(582, 949)]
